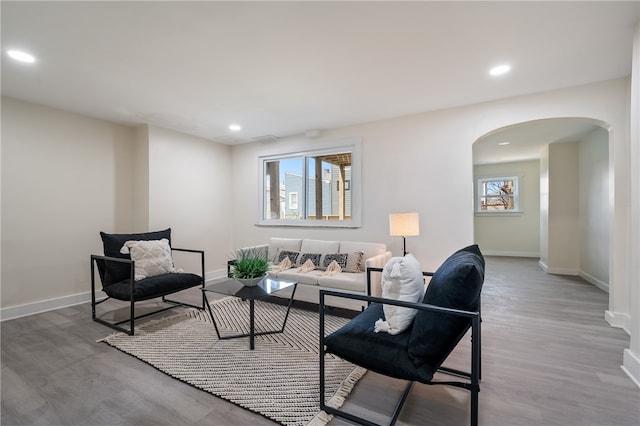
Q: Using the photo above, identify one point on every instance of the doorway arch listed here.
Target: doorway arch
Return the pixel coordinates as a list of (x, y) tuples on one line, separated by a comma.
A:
[(565, 161)]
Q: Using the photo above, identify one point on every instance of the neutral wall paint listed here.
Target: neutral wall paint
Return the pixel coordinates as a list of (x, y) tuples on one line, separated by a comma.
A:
[(140, 178), (189, 191), (593, 181), (544, 206), (516, 234), (564, 234), (631, 360), (64, 178)]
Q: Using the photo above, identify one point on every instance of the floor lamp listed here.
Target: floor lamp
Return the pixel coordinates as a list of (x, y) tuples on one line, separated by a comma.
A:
[(404, 225)]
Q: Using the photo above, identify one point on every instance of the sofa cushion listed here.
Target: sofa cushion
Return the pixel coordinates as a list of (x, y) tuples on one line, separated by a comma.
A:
[(284, 244), (456, 284), (344, 281), (319, 246), (112, 243), (309, 278)]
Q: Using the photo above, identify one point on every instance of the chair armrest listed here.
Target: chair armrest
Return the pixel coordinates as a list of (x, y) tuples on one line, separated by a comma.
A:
[(379, 289), (201, 252), (110, 259), (230, 263), (414, 305)]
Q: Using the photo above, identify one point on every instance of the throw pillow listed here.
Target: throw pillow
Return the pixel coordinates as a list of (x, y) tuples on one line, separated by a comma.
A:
[(307, 266), (339, 258), (283, 265), (332, 269), (354, 262), (151, 257), (292, 255), (314, 257), (401, 280)]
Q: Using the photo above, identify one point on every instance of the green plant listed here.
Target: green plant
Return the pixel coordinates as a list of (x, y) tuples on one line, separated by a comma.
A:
[(250, 264)]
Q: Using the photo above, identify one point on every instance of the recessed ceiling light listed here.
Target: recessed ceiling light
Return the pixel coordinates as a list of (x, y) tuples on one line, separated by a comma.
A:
[(500, 69), (503, 143), (235, 127), (21, 56)]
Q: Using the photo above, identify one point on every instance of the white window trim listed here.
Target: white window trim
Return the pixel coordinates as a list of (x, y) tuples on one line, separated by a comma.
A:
[(351, 145), (517, 196)]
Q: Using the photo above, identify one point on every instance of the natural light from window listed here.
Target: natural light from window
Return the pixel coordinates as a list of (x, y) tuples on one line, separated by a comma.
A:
[(312, 188)]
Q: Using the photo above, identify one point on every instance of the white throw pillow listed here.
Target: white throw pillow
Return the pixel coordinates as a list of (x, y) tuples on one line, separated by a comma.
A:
[(401, 280), (152, 257)]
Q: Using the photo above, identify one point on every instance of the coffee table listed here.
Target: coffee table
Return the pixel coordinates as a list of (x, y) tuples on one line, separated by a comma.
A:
[(235, 288)]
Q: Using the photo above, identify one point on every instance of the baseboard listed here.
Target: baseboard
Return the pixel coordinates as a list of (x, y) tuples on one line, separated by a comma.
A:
[(618, 320), (543, 266), (18, 311), (631, 366), (510, 253), (562, 271), (593, 280)]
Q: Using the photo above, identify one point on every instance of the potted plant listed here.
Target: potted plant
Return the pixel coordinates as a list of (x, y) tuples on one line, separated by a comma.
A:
[(250, 267)]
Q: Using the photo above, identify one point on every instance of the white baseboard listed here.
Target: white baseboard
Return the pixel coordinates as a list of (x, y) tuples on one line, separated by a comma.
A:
[(631, 366), (618, 320), (510, 253), (542, 265), (18, 311), (593, 280)]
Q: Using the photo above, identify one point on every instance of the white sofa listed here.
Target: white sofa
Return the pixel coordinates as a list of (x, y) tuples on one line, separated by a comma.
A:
[(310, 283)]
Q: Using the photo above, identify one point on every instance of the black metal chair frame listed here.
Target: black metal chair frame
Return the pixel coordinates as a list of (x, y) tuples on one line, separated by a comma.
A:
[(132, 317), (472, 378)]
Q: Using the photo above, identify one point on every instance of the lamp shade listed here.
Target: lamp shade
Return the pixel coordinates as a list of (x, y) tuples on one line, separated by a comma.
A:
[(404, 224)]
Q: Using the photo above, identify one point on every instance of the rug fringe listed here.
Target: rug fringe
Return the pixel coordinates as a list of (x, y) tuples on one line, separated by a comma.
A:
[(339, 397)]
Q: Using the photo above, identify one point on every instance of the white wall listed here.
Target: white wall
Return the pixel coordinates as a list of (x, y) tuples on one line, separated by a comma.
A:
[(631, 361), (64, 178), (511, 234), (189, 191), (415, 163), (564, 234), (544, 206), (593, 182)]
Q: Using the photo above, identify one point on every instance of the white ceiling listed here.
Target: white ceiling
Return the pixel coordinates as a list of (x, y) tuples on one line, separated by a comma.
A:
[(283, 68)]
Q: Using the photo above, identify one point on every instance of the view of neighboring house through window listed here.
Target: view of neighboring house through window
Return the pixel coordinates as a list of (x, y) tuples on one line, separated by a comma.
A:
[(498, 194), (312, 186)]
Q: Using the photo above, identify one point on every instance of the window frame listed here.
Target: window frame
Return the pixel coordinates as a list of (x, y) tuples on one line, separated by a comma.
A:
[(337, 147), (517, 195)]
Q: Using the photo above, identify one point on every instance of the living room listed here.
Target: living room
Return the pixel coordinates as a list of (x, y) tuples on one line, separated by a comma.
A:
[(68, 175)]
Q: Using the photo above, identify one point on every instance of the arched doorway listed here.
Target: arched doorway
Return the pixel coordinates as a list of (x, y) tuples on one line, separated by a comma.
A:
[(559, 168)]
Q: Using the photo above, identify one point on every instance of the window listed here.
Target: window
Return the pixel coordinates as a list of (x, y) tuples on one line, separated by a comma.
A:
[(499, 194), (312, 188)]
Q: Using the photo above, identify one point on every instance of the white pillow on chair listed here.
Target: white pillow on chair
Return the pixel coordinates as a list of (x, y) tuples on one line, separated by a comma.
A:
[(152, 257), (401, 280)]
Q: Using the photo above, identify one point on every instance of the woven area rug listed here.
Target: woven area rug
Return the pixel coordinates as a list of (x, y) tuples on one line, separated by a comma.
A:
[(279, 379)]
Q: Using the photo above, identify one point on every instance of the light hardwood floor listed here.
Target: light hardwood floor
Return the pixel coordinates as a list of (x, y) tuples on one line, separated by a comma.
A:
[(549, 358)]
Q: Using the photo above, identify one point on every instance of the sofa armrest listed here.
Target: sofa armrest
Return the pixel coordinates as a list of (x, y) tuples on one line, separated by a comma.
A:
[(376, 285), (374, 281), (259, 248)]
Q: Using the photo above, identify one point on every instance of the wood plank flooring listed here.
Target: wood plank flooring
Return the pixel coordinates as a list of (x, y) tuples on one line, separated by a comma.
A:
[(549, 358)]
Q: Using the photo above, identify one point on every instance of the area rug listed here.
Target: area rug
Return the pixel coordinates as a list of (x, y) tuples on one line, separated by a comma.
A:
[(279, 379)]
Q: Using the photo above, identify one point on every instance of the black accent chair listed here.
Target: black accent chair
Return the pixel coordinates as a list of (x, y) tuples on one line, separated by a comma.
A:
[(450, 307), (116, 271)]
